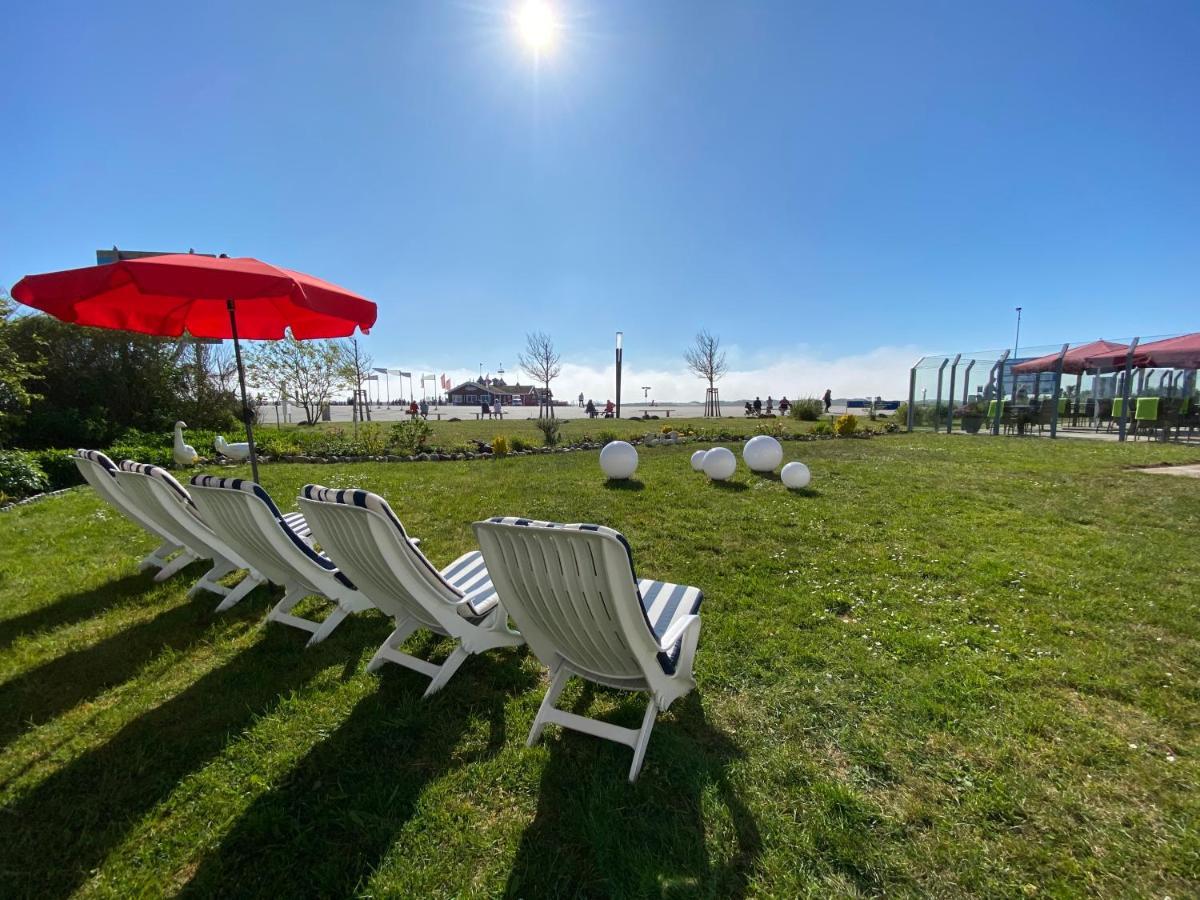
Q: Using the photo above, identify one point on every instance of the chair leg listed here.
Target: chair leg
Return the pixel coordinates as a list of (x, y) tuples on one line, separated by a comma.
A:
[(209, 580), (184, 559), (643, 741), (332, 621), (404, 627), (456, 658), (157, 558), (244, 587), (556, 686)]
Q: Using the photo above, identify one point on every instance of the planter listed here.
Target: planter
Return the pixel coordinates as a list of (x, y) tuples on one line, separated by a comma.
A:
[(972, 424)]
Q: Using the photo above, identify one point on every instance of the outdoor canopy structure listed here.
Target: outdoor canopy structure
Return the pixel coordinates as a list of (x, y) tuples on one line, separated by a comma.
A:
[(204, 296), (1074, 361)]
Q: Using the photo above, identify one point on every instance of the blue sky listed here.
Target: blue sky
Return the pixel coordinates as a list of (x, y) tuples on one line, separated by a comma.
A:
[(815, 182)]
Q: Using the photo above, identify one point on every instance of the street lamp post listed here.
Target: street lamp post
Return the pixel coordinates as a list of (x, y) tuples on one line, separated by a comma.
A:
[(1017, 342), (620, 337)]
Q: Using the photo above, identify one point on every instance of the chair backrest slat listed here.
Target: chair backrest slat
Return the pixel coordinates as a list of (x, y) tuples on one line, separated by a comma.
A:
[(573, 594)]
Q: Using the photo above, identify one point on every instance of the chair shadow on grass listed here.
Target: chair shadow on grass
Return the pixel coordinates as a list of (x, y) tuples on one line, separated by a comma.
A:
[(335, 816), (734, 487), (46, 691), (624, 484), (596, 834), (85, 809), (75, 607)]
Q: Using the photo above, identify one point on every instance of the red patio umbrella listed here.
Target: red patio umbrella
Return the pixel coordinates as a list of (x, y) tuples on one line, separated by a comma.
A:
[(209, 297), (1181, 352), (1075, 360)]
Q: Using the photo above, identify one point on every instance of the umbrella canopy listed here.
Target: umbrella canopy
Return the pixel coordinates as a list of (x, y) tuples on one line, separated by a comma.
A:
[(1173, 353), (167, 295), (1075, 360), (209, 297)]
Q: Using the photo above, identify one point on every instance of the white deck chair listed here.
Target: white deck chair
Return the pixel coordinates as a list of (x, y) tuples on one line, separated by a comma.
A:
[(280, 547), (572, 591), (163, 500), (360, 531), (101, 473)]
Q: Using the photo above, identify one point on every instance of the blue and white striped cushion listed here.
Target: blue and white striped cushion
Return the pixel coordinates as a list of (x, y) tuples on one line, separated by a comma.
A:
[(478, 593), (292, 524), (128, 465), (97, 457), (662, 603)]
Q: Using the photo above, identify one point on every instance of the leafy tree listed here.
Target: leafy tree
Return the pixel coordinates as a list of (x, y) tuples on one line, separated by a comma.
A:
[(310, 370), (16, 372), (95, 383), (541, 363)]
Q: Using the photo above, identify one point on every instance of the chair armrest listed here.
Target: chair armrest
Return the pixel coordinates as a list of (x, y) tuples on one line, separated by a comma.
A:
[(687, 629)]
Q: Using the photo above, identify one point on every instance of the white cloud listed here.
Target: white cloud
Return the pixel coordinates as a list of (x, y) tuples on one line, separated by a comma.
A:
[(882, 371)]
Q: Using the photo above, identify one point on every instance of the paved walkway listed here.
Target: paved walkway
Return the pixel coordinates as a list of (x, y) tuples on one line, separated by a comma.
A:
[(1181, 471)]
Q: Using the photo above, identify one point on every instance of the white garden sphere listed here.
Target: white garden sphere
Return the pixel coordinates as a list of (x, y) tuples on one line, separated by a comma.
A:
[(795, 475), (698, 460), (618, 459), (763, 453), (719, 463)]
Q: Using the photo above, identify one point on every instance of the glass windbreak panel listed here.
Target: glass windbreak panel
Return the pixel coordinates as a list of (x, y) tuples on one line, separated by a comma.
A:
[(926, 403)]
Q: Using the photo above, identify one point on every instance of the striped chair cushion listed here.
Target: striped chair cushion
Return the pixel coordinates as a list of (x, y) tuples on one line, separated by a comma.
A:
[(292, 524), (128, 465), (662, 603), (460, 577), (97, 457)]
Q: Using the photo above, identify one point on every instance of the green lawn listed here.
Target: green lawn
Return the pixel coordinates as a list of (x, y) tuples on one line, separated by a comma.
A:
[(953, 667)]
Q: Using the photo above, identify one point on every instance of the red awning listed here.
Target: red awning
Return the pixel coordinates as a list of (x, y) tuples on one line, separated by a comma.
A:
[(1173, 353), (1077, 359)]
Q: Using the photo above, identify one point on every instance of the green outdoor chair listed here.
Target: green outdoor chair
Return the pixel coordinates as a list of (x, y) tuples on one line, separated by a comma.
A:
[(1145, 415)]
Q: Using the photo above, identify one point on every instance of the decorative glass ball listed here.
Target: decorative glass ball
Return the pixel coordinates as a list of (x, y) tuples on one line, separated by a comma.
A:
[(618, 459), (763, 453), (719, 463), (698, 460), (795, 475)]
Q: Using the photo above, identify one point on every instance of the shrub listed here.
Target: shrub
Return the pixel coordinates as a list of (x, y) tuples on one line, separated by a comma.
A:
[(277, 443), (411, 436), (549, 427), (20, 475), (500, 445), (774, 428), (845, 425), (518, 444), (807, 409), (822, 428), (59, 468), (607, 437), (155, 456)]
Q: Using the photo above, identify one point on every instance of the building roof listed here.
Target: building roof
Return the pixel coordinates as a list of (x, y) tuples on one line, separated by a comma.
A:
[(494, 388)]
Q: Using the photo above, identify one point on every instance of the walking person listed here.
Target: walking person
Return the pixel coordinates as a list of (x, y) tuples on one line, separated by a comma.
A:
[(828, 399)]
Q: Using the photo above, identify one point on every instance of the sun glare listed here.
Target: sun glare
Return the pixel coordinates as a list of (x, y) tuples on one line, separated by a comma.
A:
[(537, 25)]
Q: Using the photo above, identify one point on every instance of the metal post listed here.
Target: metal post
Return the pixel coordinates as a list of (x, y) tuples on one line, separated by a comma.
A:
[(1058, 367), (620, 337), (912, 394), (999, 392), (247, 413), (950, 404), (938, 400), (967, 380), (1125, 390)]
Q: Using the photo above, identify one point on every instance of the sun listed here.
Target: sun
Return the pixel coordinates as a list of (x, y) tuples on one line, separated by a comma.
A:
[(537, 25)]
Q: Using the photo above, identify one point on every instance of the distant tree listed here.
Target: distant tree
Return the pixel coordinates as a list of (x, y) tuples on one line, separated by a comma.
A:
[(309, 370), (354, 367), (706, 358), (16, 372), (541, 363)]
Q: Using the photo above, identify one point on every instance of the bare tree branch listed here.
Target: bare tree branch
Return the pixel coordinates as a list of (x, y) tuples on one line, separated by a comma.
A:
[(706, 358), (541, 363)]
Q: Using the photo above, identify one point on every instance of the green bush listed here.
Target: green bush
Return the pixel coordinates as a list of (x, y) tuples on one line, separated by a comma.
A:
[(500, 445), (517, 444), (20, 475), (807, 409), (410, 436), (822, 428), (549, 427), (59, 468), (275, 443), (155, 456), (607, 437)]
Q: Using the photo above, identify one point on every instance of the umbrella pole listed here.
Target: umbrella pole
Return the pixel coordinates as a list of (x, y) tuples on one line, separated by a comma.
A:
[(247, 415)]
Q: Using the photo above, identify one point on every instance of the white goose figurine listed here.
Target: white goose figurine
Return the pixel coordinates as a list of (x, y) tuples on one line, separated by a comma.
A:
[(232, 451), (185, 455)]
